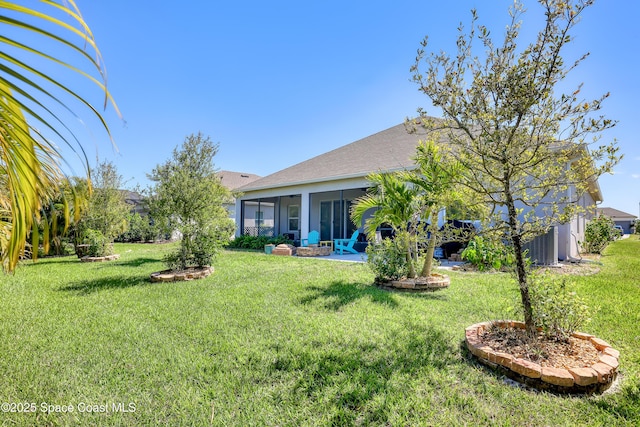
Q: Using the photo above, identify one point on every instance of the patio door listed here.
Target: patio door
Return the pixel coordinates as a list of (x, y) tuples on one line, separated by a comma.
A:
[(334, 218), (325, 220)]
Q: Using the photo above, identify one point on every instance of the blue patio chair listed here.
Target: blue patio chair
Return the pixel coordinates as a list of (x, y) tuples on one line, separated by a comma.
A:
[(346, 244), (312, 239)]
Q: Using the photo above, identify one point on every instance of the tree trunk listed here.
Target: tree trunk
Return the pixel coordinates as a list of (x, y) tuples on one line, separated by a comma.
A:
[(410, 263), (521, 268), (431, 246)]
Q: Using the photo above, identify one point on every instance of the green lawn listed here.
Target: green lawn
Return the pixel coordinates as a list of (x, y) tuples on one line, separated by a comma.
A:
[(283, 341)]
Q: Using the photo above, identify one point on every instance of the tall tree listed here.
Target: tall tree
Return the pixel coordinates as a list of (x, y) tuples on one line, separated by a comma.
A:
[(188, 196), (29, 163), (523, 145)]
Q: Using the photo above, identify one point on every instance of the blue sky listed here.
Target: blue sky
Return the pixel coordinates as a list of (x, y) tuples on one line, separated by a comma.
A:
[(278, 82)]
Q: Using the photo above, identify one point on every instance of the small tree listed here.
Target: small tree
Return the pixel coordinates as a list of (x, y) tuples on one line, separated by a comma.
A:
[(395, 203), (522, 145), (188, 196), (107, 212), (435, 178)]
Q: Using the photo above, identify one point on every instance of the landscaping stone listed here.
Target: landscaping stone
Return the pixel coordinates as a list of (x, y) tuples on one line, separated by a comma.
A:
[(526, 368), (309, 251), (578, 380), (179, 276), (557, 376), (584, 376), (284, 250), (88, 258), (432, 283)]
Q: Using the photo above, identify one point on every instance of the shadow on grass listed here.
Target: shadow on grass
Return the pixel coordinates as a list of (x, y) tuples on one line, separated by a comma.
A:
[(137, 262), (624, 403), (90, 286), (339, 294), (64, 259), (358, 382)]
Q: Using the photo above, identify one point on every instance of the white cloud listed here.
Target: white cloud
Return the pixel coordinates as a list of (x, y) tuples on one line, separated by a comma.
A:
[(635, 175)]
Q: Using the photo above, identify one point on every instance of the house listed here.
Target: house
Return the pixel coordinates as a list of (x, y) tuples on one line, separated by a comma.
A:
[(233, 181), (317, 194), (623, 219), (135, 201)]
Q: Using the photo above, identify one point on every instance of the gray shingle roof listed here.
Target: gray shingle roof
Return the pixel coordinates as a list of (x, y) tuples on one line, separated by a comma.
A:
[(389, 150), (233, 180), (615, 213)]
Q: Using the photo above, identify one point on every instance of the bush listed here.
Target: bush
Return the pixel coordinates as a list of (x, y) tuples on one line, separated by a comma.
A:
[(140, 229), (256, 242), (599, 232), (99, 245), (486, 255), (636, 226), (557, 310), (387, 260)]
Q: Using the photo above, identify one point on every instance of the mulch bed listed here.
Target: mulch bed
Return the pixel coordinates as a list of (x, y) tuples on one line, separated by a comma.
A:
[(573, 353)]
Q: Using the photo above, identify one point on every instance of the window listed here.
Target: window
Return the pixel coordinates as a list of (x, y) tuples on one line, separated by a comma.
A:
[(259, 218), (294, 217)]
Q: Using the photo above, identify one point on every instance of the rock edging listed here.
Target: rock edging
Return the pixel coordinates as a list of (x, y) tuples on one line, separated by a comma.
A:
[(180, 276), (88, 258), (584, 380), (432, 283)]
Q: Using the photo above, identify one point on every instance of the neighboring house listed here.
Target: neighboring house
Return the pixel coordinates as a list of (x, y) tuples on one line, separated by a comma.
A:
[(317, 194), (623, 219), (136, 201), (233, 181)]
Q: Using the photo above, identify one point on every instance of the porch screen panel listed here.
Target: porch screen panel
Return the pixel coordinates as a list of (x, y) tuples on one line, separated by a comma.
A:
[(325, 220)]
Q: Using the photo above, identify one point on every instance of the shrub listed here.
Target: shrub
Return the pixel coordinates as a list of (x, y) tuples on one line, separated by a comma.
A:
[(485, 255), (557, 310), (636, 226), (387, 260), (599, 232), (256, 242), (99, 245), (140, 229)]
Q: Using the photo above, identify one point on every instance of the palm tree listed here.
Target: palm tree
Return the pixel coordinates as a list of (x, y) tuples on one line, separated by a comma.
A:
[(396, 203), (437, 173), (29, 163)]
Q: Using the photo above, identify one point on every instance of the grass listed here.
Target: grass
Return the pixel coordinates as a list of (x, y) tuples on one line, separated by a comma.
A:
[(284, 341)]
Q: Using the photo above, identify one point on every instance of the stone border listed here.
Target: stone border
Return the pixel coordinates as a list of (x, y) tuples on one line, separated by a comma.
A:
[(88, 258), (586, 380), (432, 283), (309, 251), (180, 276)]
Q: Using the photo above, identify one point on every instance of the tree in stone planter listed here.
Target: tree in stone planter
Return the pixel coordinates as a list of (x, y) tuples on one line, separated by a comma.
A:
[(435, 178), (188, 196), (407, 199), (525, 145), (397, 204), (106, 215)]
